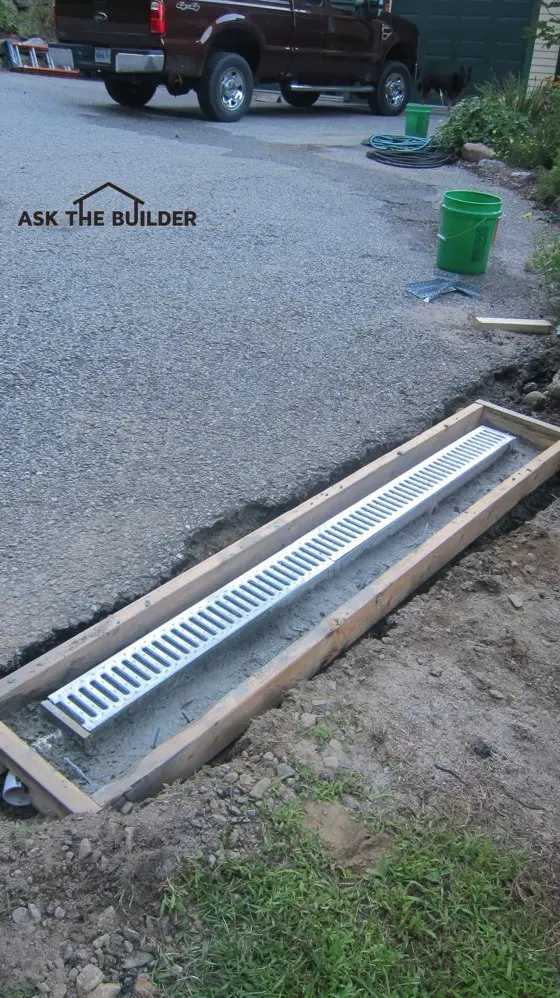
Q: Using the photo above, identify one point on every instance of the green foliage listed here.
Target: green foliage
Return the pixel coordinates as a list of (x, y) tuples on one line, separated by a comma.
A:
[(546, 261), (523, 127), (548, 186), (8, 18), (548, 30), (26, 23), (437, 917), (478, 120)]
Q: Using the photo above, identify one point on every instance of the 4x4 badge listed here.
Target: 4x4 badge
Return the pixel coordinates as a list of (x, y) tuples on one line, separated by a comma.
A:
[(188, 6)]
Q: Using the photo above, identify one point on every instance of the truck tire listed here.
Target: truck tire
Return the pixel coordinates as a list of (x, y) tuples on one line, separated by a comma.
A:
[(225, 88), (392, 92), (298, 98), (130, 93)]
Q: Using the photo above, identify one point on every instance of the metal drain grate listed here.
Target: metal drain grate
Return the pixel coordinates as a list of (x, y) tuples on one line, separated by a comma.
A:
[(100, 694)]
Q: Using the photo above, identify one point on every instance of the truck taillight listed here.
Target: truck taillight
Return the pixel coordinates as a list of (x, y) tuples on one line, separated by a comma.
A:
[(157, 17)]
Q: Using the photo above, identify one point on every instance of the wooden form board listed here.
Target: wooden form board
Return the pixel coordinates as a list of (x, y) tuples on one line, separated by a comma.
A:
[(198, 742)]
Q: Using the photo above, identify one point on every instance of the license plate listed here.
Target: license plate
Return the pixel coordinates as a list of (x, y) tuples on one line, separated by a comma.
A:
[(103, 56)]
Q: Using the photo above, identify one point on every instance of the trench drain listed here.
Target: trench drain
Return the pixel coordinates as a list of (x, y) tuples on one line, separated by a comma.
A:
[(102, 693)]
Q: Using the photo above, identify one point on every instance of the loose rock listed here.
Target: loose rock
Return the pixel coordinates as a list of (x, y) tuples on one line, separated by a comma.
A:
[(284, 771), (308, 720), (261, 788), (85, 850), (516, 600), (20, 916), (496, 694), (143, 988), (35, 913), (330, 762), (88, 980), (140, 959), (534, 399), (106, 991), (473, 152)]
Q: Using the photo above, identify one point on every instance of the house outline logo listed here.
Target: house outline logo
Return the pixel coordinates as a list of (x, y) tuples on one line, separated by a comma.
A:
[(108, 183), (82, 215)]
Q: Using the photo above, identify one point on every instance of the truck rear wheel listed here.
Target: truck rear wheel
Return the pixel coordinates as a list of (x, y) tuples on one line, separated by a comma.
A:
[(392, 92), (130, 93), (226, 87), (298, 98)]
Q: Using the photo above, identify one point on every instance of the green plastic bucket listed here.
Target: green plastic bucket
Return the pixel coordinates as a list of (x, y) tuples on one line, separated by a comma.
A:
[(417, 120), (467, 229)]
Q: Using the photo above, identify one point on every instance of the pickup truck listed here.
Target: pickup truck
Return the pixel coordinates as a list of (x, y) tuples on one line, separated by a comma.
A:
[(221, 48)]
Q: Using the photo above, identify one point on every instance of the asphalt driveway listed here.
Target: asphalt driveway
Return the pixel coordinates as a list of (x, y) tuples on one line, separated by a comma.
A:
[(156, 380)]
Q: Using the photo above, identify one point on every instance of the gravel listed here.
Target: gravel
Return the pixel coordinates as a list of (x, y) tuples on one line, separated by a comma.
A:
[(157, 381)]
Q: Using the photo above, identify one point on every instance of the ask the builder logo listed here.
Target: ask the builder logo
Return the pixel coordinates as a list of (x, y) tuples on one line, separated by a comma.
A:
[(131, 215)]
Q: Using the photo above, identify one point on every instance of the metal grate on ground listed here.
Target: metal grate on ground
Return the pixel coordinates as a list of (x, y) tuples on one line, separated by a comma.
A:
[(104, 692)]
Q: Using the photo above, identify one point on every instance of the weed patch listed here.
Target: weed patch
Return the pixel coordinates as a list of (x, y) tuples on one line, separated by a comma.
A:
[(437, 918)]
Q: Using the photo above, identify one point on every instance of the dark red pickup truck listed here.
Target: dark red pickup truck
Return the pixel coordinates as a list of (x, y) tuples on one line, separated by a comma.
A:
[(221, 48)]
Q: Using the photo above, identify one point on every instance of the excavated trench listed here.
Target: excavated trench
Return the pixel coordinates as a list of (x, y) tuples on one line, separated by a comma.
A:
[(113, 749)]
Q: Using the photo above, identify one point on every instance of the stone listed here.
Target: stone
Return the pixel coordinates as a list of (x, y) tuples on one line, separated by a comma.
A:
[(554, 388), (234, 837), (85, 850), (268, 757), (72, 974), (88, 980), (535, 400), (481, 748), (516, 600), (436, 672), (283, 771), (108, 920), (330, 762), (308, 720), (140, 959), (473, 152), (231, 777), (60, 913), (102, 941), (261, 788), (320, 704), (35, 913), (20, 916), (58, 991), (127, 807), (349, 802), (143, 988), (496, 694), (531, 386), (106, 991), (131, 935), (335, 746)]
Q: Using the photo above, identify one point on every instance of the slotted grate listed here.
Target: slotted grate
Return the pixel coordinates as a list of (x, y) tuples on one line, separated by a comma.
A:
[(102, 693)]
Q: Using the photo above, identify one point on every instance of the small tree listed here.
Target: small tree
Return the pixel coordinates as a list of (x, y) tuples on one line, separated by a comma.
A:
[(548, 31)]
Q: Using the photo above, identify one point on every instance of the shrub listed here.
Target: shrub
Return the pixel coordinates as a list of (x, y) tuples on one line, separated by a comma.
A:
[(478, 120), (523, 127), (546, 261), (548, 186)]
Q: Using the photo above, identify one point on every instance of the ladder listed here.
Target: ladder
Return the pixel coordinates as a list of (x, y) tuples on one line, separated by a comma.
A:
[(34, 57)]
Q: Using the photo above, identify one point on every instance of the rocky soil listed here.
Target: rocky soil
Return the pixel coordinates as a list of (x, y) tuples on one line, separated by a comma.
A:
[(452, 708)]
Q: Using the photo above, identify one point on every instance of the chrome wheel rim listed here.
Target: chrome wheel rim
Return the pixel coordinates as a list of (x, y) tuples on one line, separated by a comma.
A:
[(395, 89), (232, 89)]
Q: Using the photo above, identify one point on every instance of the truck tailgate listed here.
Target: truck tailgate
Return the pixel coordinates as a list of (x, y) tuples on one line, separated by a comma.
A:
[(107, 22)]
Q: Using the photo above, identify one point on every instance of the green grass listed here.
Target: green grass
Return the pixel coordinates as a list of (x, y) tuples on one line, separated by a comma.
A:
[(321, 733), (439, 919)]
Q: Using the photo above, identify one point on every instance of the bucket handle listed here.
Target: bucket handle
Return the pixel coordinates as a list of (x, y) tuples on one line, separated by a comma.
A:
[(447, 239)]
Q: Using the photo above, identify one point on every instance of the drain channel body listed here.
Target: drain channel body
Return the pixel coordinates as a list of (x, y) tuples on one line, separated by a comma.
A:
[(88, 702)]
